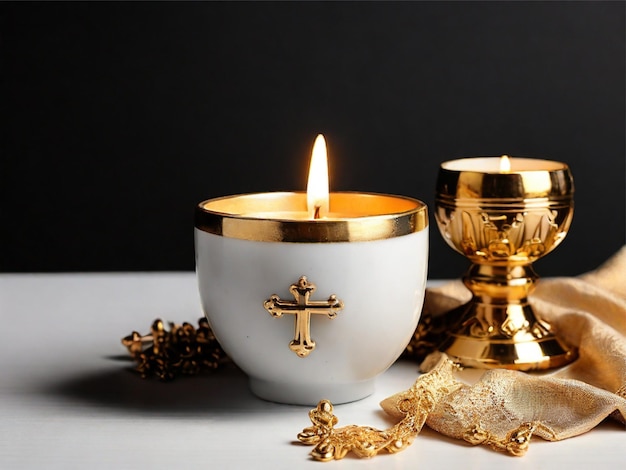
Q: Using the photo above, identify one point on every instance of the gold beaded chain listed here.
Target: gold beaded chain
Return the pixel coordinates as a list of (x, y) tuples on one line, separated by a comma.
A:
[(187, 350), (181, 350)]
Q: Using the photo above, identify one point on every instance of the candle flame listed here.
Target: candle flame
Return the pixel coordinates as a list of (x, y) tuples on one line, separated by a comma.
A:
[(505, 164), (317, 188)]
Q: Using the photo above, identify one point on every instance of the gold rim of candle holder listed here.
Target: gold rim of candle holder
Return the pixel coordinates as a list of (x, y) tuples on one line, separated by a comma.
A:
[(503, 222), (361, 217)]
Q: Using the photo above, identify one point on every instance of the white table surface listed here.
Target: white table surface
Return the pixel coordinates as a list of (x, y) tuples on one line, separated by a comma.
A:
[(68, 399)]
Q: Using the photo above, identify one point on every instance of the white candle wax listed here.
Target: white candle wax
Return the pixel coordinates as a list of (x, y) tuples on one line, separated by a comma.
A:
[(493, 165), (297, 215)]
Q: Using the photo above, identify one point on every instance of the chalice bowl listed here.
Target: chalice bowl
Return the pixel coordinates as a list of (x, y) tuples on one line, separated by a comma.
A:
[(503, 214)]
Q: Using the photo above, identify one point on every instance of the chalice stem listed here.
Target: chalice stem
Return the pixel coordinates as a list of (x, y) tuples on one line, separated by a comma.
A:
[(498, 327)]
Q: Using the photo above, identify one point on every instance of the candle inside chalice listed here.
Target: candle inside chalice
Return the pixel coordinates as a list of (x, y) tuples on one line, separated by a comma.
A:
[(502, 214)]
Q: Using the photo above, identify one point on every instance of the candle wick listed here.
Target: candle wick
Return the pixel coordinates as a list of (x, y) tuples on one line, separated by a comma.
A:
[(316, 214)]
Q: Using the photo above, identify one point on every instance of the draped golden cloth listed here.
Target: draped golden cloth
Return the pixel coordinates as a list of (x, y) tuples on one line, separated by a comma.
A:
[(589, 312), (505, 408)]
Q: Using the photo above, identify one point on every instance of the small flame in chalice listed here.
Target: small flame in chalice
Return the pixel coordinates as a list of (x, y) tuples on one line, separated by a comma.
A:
[(505, 164)]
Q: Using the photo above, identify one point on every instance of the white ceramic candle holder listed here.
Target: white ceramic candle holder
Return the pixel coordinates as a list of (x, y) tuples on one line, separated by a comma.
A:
[(312, 309)]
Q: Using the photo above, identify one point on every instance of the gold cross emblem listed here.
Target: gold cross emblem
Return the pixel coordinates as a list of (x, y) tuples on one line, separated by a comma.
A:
[(302, 307)]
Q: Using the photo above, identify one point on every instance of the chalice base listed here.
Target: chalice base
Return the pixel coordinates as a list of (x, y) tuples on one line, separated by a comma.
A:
[(505, 336)]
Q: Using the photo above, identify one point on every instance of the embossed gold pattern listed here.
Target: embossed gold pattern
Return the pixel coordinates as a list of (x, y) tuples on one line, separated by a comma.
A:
[(503, 222), (303, 307)]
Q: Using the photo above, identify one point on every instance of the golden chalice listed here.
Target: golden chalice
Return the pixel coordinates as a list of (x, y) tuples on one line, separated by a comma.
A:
[(503, 214)]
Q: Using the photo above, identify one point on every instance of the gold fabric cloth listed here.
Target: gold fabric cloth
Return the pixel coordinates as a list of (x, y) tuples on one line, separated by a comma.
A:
[(505, 408)]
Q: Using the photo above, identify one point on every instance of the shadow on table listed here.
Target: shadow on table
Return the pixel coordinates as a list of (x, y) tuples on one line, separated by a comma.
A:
[(223, 391)]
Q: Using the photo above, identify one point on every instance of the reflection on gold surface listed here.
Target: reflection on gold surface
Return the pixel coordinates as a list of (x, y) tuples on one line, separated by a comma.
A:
[(503, 221)]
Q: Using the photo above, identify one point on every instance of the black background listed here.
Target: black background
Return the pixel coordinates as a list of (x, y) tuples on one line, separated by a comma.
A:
[(119, 117)]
